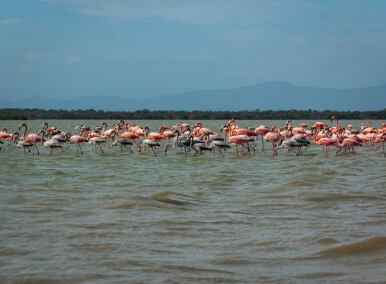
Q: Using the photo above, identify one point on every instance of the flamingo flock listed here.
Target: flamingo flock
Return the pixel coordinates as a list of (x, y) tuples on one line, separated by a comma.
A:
[(196, 139)]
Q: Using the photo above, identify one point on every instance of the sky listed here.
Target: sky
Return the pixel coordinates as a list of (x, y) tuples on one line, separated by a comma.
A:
[(145, 48)]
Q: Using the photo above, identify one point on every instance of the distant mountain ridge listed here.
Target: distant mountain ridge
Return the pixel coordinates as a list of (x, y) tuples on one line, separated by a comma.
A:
[(271, 95)]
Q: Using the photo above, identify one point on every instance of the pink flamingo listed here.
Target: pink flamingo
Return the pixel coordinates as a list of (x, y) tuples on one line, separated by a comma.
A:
[(50, 131), (325, 142), (262, 130), (77, 140), (130, 136), (383, 140), (30, 138), (237, 136), (347, 144), (239, 140), (108, 133), (4, 134), (165, 132), (154, 136), (199, 130), (273, 137), (318, 125)]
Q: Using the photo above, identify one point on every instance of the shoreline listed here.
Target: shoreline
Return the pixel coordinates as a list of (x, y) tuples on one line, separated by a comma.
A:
[(36, 114)]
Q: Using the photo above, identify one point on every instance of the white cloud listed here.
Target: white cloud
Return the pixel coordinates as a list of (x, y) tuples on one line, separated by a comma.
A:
[(39, 58), (195, 12), (9, 21)]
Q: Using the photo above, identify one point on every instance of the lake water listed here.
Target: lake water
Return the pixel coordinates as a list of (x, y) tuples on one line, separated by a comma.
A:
[(120, 217)]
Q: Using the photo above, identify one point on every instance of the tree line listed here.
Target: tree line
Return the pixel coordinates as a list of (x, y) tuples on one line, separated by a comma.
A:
[(27, 114)]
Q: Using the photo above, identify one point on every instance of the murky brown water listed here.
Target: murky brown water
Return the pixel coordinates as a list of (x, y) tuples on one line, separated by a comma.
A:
[(119, 218)]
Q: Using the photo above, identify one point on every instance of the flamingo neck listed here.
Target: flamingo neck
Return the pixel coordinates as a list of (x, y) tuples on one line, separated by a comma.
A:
[(316, 136), (25, 131)]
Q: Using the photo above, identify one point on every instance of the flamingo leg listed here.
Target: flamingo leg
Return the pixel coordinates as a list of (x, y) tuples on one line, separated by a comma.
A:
[(155, 154), (100, 147), (37, 150), (262, 143), (221, 153)]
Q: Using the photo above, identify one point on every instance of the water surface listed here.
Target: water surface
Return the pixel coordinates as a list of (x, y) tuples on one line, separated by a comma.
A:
[(121, 217)]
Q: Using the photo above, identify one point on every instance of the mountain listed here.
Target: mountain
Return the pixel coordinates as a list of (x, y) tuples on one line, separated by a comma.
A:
[(271, 95)]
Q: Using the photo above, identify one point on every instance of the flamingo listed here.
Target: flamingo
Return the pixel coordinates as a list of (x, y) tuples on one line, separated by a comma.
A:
[(199, 130), (220, 146), (383, 139), (242, 140), (30, 138), (318, 125), (129, 136), (291, 144), (77, 140), (273, 137), (181, 140), (154, 136), (166, 133), (50, 131), (123, 143), (4, 134), (262, 130), (53, 144), (295, 141), (97, 141), (198, 146), (325, 142), (238, 136), (108, 133), (25, 145), (150, 141), (346, 144), (215, 142)]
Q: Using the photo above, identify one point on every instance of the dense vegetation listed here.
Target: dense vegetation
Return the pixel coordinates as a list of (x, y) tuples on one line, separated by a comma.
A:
[(25, 114)]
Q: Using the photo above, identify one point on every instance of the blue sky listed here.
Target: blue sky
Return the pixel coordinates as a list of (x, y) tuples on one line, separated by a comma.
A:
[(139, 48)]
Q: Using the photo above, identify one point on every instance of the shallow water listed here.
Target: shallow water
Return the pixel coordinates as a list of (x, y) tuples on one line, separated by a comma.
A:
[(173, 219)]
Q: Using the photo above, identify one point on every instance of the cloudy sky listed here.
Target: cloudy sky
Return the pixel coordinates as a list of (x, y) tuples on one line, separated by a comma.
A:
[(140, 48)]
